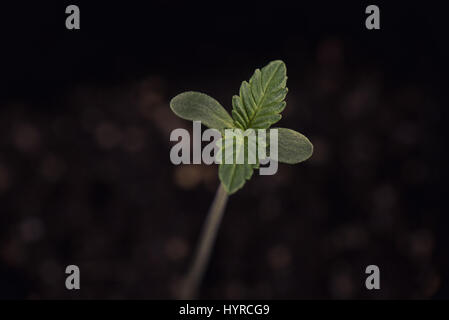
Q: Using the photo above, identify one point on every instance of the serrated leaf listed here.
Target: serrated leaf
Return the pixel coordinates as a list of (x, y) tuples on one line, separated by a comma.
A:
[(258, 106), (293, 147), (234, 176), (241, 145), (232, 173), (197, 106), (262, 98)]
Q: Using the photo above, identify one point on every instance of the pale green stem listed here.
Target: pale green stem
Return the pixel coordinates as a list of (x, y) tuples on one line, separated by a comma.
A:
[(208, 234)]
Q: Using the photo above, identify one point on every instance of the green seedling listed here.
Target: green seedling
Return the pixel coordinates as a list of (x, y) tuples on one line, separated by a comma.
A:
[(258, 106)]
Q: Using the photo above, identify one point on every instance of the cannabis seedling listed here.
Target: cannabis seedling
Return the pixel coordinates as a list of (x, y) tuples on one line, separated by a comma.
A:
[(258, 106)]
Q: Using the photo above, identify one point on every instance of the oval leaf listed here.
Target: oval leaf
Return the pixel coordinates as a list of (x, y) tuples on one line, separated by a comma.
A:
[(293, 147), (198, 106)]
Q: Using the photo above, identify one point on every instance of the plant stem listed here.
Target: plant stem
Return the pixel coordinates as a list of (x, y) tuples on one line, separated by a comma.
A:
[(207, 239)]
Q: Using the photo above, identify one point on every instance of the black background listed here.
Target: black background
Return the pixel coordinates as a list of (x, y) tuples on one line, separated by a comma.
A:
[(85, 176)]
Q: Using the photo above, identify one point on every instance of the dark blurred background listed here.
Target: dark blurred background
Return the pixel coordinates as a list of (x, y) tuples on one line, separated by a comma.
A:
[(86, 179)]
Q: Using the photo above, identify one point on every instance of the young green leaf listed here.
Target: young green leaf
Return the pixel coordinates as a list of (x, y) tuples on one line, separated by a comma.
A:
[(293, 147), (232, 150), (244, 146), (198, 106), (258, 106), (233, 176), (262, 99)]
